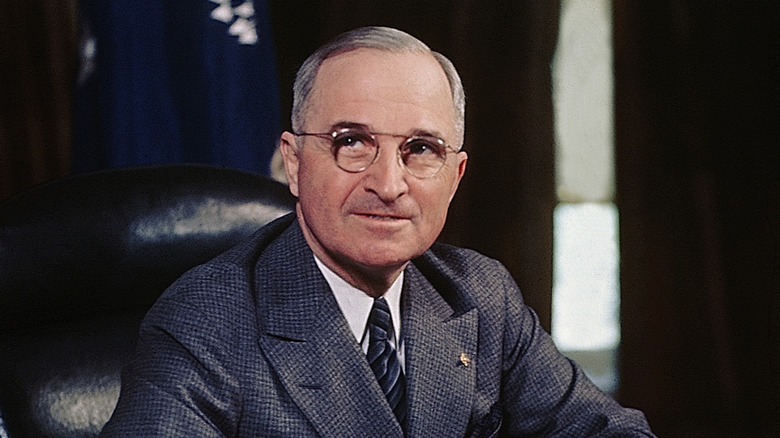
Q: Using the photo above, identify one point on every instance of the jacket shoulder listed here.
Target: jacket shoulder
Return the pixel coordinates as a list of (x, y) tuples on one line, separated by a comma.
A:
[(467, 273), (463, 263)]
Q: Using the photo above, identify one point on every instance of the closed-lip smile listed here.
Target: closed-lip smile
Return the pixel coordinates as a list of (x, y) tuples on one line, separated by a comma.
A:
[(382, 216)]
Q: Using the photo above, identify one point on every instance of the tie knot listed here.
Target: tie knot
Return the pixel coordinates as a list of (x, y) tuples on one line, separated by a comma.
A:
[(380, 319)]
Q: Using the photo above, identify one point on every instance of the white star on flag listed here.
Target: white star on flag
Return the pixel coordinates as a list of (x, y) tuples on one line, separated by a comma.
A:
[(240, 19)]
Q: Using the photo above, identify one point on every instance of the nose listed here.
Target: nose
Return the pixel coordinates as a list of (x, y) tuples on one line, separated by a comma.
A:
[(387, 177)]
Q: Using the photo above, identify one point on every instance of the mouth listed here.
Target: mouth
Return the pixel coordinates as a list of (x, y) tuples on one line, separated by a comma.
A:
[(388, 217)]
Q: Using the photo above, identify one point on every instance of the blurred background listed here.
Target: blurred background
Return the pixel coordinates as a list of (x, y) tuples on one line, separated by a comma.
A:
[(635, 141)]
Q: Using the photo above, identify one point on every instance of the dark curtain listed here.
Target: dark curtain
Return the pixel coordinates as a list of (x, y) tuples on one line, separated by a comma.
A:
[(699, 198), (38, 55)]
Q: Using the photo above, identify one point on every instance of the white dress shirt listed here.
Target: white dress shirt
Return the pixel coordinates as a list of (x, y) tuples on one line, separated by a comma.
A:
[(356, 307)]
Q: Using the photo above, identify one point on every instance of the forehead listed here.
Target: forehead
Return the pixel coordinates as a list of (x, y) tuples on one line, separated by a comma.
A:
[(387, 91)]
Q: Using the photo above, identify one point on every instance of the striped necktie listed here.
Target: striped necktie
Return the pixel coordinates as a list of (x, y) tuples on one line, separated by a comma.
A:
[(383, 359)]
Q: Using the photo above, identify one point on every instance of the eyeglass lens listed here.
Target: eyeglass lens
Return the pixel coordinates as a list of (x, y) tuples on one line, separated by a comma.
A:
[(354, 150)]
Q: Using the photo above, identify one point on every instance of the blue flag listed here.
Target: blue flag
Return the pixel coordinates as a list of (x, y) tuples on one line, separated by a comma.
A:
[(176, 81)]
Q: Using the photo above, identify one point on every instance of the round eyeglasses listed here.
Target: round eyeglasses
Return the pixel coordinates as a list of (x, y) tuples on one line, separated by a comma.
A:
[(355, 149)]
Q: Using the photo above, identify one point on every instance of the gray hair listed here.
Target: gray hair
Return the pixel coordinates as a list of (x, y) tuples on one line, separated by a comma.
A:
[(380, 38)]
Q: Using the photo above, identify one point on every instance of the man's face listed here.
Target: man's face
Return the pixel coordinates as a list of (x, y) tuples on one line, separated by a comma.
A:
[(377, 220)]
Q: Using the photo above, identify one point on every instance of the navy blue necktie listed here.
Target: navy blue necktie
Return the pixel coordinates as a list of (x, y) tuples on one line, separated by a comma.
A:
[(383, 359)]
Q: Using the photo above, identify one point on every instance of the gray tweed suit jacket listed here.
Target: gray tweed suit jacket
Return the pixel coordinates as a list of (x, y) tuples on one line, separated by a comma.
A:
[(253, 344)]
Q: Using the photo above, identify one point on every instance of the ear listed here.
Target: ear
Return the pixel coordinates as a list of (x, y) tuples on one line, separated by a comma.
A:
[(463, 158), (289, 149)]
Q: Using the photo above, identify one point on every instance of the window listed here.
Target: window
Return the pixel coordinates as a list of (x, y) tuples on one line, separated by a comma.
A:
[(586, 299)]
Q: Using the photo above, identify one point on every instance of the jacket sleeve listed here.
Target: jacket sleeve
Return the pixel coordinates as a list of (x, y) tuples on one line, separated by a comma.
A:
[(178, 383), (545, 394)]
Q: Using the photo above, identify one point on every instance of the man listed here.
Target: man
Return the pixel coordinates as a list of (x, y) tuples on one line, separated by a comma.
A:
[(344, 319)]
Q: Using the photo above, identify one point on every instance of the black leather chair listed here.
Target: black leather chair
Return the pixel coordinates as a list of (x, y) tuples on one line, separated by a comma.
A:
[(81, 261)]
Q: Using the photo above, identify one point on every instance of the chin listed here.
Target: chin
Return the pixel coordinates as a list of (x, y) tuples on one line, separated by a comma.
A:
[(375, 257)]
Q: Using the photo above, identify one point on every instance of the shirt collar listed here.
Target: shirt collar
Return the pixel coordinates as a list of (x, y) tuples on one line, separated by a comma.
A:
[(356, 304)]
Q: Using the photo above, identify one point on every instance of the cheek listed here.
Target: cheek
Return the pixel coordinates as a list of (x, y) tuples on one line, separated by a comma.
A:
[(322, 190), (435, 207), (312, 175), (442, 215)]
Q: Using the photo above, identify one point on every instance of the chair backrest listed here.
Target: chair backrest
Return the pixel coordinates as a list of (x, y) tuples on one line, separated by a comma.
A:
[(82, 260)]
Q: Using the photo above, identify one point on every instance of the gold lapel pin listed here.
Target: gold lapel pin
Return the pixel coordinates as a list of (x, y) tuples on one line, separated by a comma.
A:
[(465, 359)]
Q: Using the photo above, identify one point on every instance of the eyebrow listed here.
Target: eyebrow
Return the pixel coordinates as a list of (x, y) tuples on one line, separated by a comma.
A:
[(349, 125), (415, 133)]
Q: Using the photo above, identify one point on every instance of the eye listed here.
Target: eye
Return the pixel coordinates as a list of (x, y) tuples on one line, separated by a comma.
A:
[(353, 149), (424, 146), (351, 139)]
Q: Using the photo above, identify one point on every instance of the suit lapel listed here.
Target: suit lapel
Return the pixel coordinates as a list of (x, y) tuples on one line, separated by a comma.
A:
[(440, 339), (308, 343)]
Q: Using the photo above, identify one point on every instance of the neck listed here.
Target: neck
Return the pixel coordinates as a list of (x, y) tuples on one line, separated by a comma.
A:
[(375, 282)]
